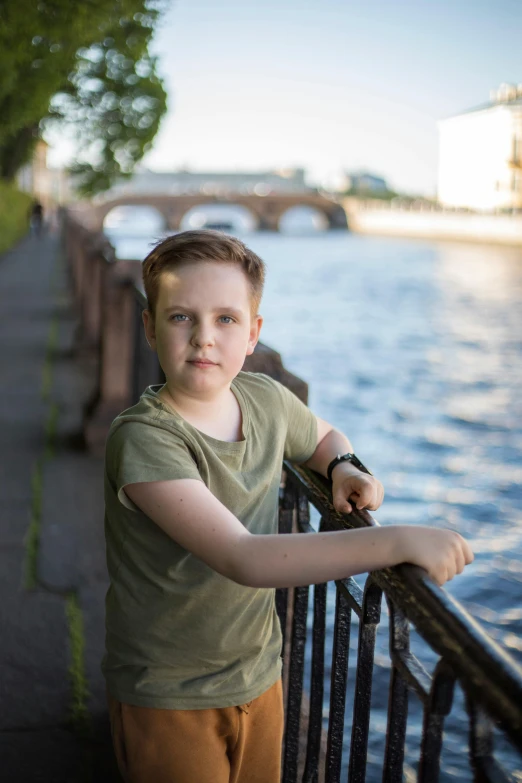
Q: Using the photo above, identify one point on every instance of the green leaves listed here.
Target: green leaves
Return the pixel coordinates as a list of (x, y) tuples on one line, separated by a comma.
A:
[(86, 65)]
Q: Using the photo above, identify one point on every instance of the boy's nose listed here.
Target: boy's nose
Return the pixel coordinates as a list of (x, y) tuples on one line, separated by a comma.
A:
[(202, 336)]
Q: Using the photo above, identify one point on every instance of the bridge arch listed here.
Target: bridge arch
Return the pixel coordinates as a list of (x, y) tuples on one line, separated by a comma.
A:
[(225, 216), (303, 218), (121, 215), (267, 209)]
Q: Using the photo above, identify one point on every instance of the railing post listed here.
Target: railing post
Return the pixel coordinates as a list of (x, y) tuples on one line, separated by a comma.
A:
[(92, 300), (315, 718), (435, 710), (338, 682), (146, 369), (397, 698), (114, 392), (363, 683)]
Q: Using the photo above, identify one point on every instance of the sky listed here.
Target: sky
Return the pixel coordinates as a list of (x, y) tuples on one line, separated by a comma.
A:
[(329, 85)]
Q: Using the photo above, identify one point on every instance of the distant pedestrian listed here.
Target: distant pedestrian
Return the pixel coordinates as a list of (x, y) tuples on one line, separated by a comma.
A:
[(36, 218)]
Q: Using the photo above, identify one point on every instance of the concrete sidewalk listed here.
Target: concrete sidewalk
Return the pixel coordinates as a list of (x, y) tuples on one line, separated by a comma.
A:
[(53, 718)]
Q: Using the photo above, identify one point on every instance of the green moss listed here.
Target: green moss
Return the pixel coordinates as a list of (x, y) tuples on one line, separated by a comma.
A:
[(32, 537), (79, 715), (33, 534), (14, 215), (50, 431), (80, 690)]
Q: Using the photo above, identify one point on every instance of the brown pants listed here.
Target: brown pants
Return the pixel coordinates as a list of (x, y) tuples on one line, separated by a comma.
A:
[(221, 745)]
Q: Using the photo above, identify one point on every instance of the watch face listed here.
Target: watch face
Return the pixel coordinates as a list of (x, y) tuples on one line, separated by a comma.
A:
[(347, 458), (357, 462)]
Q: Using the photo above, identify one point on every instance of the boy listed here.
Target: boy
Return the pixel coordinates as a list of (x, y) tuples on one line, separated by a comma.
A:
[(193, 661)]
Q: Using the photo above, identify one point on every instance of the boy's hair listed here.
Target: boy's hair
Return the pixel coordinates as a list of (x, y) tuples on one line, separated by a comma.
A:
[(189, 247)]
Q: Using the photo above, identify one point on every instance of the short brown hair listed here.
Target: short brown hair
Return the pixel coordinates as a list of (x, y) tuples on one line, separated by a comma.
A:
[(203, 245)]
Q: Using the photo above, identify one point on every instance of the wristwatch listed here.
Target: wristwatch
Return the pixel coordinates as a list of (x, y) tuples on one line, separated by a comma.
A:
[(347, 458)]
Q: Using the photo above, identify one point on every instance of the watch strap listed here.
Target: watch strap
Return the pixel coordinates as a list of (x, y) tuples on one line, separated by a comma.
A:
[(350, 457)]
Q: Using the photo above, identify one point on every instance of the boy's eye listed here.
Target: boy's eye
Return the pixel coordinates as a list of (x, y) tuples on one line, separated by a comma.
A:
[(180, 318)]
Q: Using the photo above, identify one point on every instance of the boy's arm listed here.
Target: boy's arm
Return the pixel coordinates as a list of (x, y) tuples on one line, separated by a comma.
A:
[(190, 514), (348, 482)]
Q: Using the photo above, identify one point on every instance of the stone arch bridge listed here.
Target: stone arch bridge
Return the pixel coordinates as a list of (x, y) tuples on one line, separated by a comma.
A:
[(266, 210)]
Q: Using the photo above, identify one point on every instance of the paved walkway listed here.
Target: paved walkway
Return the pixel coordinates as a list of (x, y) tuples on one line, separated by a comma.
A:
[(53, 720)]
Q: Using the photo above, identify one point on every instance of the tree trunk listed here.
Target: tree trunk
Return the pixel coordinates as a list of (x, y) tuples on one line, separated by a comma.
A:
[(17, 150)]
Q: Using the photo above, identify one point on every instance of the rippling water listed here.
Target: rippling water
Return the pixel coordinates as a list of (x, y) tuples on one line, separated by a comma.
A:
[(414, 350)]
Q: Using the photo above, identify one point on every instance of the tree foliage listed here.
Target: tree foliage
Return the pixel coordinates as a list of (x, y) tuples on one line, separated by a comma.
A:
[(85, 64)]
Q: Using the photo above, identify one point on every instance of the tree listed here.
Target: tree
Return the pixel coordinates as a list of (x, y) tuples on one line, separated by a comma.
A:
[(86, 64)]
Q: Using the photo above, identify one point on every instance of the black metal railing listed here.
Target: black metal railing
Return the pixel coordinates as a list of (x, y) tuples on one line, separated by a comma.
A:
[(487, 675)]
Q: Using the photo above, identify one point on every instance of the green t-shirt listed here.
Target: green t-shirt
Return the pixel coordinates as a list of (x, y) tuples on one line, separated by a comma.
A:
[(178, 634)]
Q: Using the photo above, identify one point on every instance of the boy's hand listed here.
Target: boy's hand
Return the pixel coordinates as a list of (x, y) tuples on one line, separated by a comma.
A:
[(441, 552), (351, 487)]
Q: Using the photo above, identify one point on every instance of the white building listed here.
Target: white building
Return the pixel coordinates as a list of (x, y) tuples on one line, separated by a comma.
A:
[(480, 154)]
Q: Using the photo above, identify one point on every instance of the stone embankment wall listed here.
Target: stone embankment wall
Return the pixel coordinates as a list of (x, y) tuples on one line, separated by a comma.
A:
[(436, 224)]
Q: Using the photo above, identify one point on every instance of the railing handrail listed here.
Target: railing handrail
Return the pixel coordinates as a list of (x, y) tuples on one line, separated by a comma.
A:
[(486, 670)]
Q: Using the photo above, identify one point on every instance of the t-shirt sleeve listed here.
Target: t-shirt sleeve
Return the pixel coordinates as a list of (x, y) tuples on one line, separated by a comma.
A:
[(138, 452), (301, 432)]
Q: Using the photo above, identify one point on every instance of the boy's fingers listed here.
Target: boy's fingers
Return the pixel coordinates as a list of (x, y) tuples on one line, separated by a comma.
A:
[(461, 563), (441, 577), (341, 503), (468, 553), (370, 494), (365, 497)]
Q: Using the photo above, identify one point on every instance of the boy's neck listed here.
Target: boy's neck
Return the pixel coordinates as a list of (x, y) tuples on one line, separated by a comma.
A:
[(220, 417), (196, 406)]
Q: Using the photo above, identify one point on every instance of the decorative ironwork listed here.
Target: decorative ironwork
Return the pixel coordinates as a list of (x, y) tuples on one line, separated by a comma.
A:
[(490, 679)]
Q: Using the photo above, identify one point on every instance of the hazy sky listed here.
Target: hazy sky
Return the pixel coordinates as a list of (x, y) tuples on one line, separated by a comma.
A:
[(327, 84)]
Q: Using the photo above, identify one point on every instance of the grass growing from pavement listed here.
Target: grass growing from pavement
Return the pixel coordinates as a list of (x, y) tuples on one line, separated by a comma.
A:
[(50, 431), (80, 690), (32, 539)]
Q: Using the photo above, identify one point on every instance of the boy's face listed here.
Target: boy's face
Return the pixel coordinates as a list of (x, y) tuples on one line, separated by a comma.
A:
[(203, 311)]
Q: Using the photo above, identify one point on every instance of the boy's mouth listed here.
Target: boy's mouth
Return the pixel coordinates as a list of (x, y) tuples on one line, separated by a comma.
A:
[(202, 362)]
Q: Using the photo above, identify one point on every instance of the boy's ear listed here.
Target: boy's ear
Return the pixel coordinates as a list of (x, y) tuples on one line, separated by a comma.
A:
[(255, 329), (150, 328)]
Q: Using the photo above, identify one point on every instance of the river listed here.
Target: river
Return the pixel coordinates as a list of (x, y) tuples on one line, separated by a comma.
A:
[(414, 350)]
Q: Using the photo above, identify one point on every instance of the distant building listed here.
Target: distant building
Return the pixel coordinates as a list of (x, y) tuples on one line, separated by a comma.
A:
[(212, 183), (365, 183), (480, 154)]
